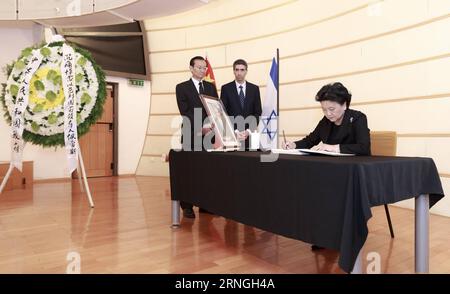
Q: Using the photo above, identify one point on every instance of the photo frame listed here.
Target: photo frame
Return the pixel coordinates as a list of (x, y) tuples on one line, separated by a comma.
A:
[(223, 129)]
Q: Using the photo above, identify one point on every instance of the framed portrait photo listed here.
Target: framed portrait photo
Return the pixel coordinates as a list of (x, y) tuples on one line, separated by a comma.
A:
[(223, 129)]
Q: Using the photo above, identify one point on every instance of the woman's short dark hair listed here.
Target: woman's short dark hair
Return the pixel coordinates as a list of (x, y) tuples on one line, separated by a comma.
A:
[(334, 92)]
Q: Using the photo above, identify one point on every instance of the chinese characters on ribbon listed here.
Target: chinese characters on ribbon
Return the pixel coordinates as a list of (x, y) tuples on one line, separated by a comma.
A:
[(17, 117), (70, 109)]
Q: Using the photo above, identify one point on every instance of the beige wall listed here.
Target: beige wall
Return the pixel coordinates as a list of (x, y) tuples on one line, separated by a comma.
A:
[(133, 112), (393, 55)]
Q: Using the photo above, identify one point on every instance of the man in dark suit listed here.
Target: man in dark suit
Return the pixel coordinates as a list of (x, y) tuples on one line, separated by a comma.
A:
[(242, 101), (191, 108)]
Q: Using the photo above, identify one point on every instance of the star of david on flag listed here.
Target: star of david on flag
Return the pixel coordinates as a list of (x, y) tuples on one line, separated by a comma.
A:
[(268, 126)]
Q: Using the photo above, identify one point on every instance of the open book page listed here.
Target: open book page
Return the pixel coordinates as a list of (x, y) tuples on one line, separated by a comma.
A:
[(288, 151), (309, 151)]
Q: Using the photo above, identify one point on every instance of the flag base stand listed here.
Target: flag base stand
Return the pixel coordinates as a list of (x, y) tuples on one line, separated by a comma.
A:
[(83, 173)]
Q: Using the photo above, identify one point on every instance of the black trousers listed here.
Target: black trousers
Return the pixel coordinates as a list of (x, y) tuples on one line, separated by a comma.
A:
[(209, 145), (186, 205)]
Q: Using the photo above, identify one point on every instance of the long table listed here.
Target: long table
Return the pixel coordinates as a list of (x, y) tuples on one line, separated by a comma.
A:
[(321, 200)]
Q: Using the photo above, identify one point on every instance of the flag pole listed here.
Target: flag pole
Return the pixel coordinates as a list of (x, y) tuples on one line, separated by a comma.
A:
[(278, 97)]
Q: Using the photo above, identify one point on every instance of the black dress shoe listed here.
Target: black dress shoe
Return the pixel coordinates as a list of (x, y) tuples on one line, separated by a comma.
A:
[(188, 212), (315, 247)]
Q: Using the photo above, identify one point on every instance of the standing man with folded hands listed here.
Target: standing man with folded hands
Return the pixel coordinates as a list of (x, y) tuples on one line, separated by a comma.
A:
[(242, 101)]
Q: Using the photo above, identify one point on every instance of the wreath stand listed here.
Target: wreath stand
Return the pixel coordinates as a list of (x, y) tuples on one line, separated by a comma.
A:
[(83, 172)]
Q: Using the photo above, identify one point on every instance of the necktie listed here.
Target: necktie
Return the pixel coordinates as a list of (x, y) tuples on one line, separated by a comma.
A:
[(241, 96), (201, 90)]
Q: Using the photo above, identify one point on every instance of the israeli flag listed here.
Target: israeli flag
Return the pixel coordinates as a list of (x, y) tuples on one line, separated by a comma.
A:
[(268, 125)]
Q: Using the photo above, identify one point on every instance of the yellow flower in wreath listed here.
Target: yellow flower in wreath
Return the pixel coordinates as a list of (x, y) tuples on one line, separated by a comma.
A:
[(46, 90)]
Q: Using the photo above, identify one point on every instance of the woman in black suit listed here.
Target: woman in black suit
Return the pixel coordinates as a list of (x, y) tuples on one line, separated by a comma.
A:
[(341, 130)]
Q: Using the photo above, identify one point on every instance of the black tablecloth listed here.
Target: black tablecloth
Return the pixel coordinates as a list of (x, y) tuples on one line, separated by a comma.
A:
[(321, 200)]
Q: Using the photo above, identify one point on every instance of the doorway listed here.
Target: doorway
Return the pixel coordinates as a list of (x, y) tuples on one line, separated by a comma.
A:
[(99, 145)]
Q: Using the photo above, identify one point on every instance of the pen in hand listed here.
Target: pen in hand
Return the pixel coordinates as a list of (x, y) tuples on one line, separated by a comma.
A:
[(284, 138)]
